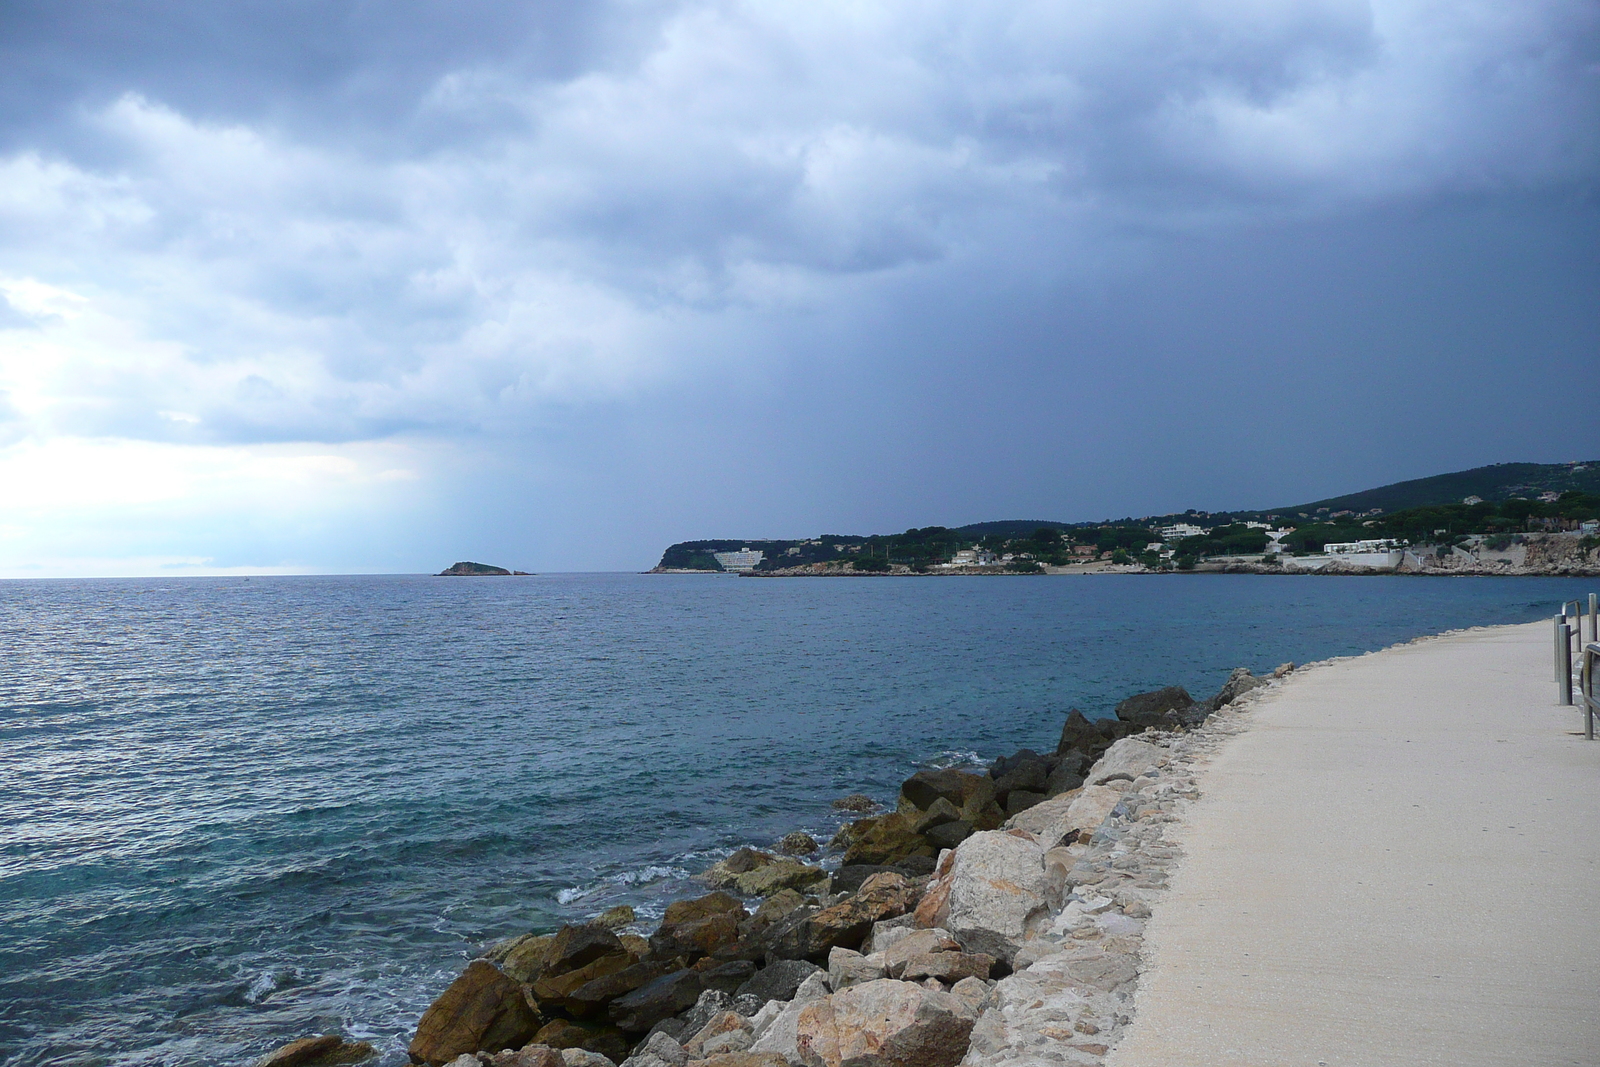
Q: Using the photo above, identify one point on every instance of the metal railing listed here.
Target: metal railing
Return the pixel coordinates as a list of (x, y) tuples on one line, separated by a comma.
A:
[(1569, 641), (1591, 705)]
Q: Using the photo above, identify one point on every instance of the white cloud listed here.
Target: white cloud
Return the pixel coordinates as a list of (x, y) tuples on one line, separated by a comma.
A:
[(205, 284)]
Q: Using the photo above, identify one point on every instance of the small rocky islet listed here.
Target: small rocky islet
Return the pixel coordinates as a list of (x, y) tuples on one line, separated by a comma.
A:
[(987, 919)]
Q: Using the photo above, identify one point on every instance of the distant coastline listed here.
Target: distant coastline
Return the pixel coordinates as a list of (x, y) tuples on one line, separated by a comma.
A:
[(1514, 519)]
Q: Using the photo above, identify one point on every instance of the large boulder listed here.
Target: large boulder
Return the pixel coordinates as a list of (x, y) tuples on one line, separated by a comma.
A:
[(556, 987), (884, 1024), (780, 1033), (886, 839), (772, 878), (999, 892), (723, 874), (1088, 737), (775, 908), (482, 1009), (589, 998), (574, 946), (1240, 682), (847, 923), (1089, 809), (698, 927), (1048, 821), (916, 942), (1127, 760), (972, 795), (778, 980), (1159, 708), (641, 1009), (522, 957), (947, 967)]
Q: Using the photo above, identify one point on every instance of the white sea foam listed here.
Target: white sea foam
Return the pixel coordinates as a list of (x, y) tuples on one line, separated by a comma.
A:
[(952, 759), (641, 876)]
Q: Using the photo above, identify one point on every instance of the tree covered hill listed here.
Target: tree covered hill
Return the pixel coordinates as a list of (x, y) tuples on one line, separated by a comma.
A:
[(1512, 499), (1499, 481)]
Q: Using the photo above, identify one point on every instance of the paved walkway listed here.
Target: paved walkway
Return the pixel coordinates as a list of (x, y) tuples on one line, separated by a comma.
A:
[(1398, 863)]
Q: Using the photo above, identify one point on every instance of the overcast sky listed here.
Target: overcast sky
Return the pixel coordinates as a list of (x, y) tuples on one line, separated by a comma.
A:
[(363, 286)]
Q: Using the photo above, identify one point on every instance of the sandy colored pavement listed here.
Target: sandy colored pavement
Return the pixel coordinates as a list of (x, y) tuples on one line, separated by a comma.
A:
[(1397, 863)]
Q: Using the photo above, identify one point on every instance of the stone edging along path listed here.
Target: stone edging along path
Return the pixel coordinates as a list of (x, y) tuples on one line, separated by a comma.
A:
[(1023, 945)]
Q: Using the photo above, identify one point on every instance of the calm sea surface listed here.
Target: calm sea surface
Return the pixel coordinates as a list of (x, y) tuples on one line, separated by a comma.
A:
[(234, 812)]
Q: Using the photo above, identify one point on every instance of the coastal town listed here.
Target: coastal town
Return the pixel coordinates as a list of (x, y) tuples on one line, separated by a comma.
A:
[(1504, 530)]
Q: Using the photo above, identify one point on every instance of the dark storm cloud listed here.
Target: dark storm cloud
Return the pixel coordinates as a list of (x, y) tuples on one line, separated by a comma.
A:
[(355, 69), (275, 222)]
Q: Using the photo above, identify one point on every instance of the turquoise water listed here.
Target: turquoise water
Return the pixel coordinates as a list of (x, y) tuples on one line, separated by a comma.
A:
[(237, 811)]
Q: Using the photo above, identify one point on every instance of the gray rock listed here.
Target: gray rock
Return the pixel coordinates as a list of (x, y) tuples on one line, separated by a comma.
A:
[(728, 977), (747, 1004), (650, 1003), (1127, 759), (1064, 777), (1240, 682), (1158, 708), (949, 835), (846, 968), (778, 980), (1021, 800), (998, 892)]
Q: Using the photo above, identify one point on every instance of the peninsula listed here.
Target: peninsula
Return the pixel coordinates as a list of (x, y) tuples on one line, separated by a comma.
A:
[(1504, 519)]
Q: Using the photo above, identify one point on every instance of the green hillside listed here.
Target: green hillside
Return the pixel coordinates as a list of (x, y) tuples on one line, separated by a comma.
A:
[(1499, 481)]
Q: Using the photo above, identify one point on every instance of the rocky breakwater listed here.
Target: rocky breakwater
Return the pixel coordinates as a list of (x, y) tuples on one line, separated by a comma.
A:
[(989, 918)]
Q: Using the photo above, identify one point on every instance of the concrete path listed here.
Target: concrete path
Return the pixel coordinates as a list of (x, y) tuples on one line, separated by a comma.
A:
[(1398, 863)]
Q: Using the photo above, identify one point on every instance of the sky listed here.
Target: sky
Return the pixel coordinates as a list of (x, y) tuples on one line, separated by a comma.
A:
[(300, 287)]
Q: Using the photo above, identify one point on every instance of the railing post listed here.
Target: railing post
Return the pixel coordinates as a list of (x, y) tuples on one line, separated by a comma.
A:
[(1560, 648), (1566, 673), (1586, 689), (1594, 618)]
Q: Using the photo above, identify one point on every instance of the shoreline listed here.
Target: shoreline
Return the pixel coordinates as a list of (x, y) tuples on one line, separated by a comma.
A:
[(1029, 936), (751, 974)]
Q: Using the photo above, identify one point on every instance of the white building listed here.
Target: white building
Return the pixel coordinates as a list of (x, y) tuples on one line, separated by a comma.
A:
[(1178, 531), (973, 557), (746, 559)]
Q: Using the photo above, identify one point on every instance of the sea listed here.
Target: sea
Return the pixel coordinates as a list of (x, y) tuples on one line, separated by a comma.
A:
[(238, 811)]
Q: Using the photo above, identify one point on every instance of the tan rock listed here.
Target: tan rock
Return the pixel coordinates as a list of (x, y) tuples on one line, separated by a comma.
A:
[(947, 967), (523, 958), (745, 1059), (533, 1055), (847, 967), (847, 923), (915, 943), (616, 918), (325, 1049), (774, 877), (887, 840), (555, 988), (933, 910), (721, 1023), (884, 1024), (721, 875), (482, 1009), (1090, 808)]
